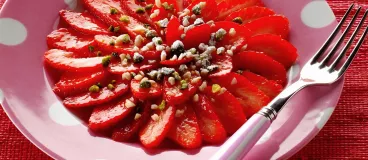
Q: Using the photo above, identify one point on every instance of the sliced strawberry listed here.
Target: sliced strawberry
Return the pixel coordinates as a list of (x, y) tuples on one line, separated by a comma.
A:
[(84, 22), (173, 32), (208, 12), (261, 64), (228, 109), (225, 64), (185, 130), (103, 43), (211, 128), (102, 9), (237, 40), (270, 88), (173, 94), (176, 62), (89, 99), (66, 39), (226, 7), (64, 60), (154, 91), (251, 98), (131, 6), (277, 25), (152, 134), (275, 47), (116, 67), (192, 40), (108, 115), (72, 83), (251, 13), (127, 129)]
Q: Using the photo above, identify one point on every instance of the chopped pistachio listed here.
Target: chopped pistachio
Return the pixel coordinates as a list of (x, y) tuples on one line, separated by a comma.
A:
[(162, 105), (148, 7), (238, 20), (106, 61), (167, 6), (176, 76), (137, 58), (177, 47), (145, 84), (91, 48), (220, 34), (216, 88), (116, 29), (197, 9), (124, 19), (184, 84), (140, 10), (111, 28), (94, 89), (113, 82), (113, 11), (151, 34), (99, 84), (125, 38), (115, 54), (110, 86)]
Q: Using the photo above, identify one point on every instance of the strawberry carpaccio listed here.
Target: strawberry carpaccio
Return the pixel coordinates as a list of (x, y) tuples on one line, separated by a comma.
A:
[(188, 71)]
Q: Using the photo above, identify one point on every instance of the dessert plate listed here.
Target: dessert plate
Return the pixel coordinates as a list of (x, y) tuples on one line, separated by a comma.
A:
[(27, 98)]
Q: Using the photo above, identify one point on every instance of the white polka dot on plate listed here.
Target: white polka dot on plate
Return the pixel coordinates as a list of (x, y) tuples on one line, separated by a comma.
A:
[(12, 32), (317, 14), (59, 114), (323, 117), (72, 4), (266, 136), (1, 96)]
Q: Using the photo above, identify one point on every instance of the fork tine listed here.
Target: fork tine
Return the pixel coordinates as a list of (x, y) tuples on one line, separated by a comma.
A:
[(332, 36), (342, 37), (347, 46), (353, 53)]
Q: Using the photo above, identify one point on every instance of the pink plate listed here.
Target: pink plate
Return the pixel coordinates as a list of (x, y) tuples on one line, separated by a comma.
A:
[(32, 106)]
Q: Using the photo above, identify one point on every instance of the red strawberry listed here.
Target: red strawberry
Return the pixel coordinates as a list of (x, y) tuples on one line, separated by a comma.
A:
[(185, 130), (270, 88), (176, 62), (72, 83), (174, 94), (251, 13), (277, 25), (211, 128), (107, 116), (116, 67), (131, 7), (208, 12), (127, 129), (261, 64), (89, 99), (275, 47), (173, 32), (64, 60), (249, 95), (237, 40), (103, 43), (192, 40), (226, 7), (84, 22), (66, 39), (154, 132), (225, 64), (102, 9), (155, 91), (228, 109)]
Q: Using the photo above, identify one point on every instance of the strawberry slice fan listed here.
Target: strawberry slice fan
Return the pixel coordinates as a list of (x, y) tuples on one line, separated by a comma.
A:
[(188, 71)]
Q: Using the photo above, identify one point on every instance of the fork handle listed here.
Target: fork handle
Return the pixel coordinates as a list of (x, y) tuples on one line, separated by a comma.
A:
[(238, 145)]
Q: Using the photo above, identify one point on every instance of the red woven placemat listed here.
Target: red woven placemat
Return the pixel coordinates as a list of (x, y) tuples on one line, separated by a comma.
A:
[(345, 136)]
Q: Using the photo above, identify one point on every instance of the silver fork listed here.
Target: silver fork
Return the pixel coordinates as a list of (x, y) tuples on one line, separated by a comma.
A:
[(320, 70)]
